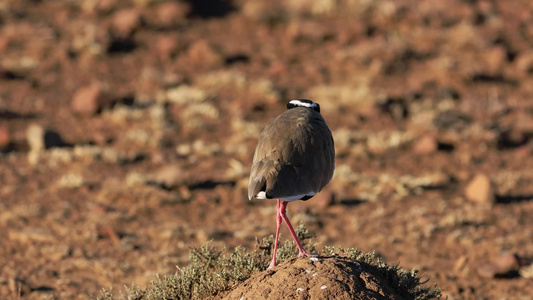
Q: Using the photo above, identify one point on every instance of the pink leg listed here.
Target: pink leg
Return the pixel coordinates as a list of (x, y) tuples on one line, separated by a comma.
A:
[(278, 225), (301, 251)]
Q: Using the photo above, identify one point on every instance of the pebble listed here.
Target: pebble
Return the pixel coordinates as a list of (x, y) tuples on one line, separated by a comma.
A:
[(480, 190), (526, 271), (495, 58), (486, 271), (171, 13), (168, 176), (460, 263), (40, 138), (166, 46), (425, 145), (524, 61), (88, 100), (202, 53), (5, 137), (506, 262), (501, 265), (19, 287), (126, 21), (31, 234)]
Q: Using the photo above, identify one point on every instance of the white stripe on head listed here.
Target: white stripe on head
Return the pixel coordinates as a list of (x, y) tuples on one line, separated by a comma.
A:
[(307, 103)]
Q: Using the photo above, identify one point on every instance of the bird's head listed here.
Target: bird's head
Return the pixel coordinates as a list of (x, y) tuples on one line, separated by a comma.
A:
[(303, 103)]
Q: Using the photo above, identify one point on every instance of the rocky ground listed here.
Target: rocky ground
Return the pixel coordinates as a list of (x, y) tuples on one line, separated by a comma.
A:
[(127, 130)]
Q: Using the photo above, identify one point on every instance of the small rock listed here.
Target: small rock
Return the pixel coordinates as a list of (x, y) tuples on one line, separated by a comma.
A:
[(166, 46), (425, 145), (524, 62), (480, 190), (106, 5), (202, 53), (40, 138), (460, 263), (126, 21), (487, 270), (262, 11), (495, 58), (171, 13), (526, 272), (499, 266), (31, 234), (5, 137), (506, 262), (306, 30), (88, 100), (512, 138), (4, 43), (19, 287), (168, 176)]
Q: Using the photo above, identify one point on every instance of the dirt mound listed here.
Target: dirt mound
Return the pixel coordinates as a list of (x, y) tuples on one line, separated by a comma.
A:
[(320, 278)]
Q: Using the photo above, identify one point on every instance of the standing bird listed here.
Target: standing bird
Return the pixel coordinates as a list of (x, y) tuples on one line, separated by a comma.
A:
[(294, 160)]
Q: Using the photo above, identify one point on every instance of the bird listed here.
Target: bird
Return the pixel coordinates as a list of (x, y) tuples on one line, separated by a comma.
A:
[(294, 159)]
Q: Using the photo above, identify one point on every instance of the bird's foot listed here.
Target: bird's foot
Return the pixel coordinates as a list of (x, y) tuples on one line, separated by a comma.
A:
[(272, 263), (306, 254)]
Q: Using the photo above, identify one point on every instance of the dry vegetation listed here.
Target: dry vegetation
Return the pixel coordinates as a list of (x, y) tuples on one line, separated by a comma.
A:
[(212, 273)]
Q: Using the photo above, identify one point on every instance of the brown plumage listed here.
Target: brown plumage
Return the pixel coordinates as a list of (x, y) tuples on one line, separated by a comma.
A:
[(294, 156), (294, 160)]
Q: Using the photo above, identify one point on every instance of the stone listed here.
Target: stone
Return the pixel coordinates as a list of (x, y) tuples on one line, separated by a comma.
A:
[(506, 262), (486, 270), (203, 54), (5, 137), (480, 190), (172, 13), (524, 62), (88, 100), (425, 145), (31, 234), (499, 266), (168, 176), (526, 271), (40, 138), (495, 59), (126, 21), (19, 287), (166, 46), (460, 263)]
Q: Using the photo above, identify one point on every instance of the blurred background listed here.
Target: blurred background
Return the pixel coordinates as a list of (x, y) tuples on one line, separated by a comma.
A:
[(127, 130)]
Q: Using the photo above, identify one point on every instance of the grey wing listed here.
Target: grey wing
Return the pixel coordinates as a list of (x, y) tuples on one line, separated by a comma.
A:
[(303, 163), (278, 165), (263, 166), (321, 162)]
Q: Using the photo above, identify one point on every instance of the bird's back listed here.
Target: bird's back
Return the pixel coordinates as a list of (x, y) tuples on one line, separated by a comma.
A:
[(295, 156)]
